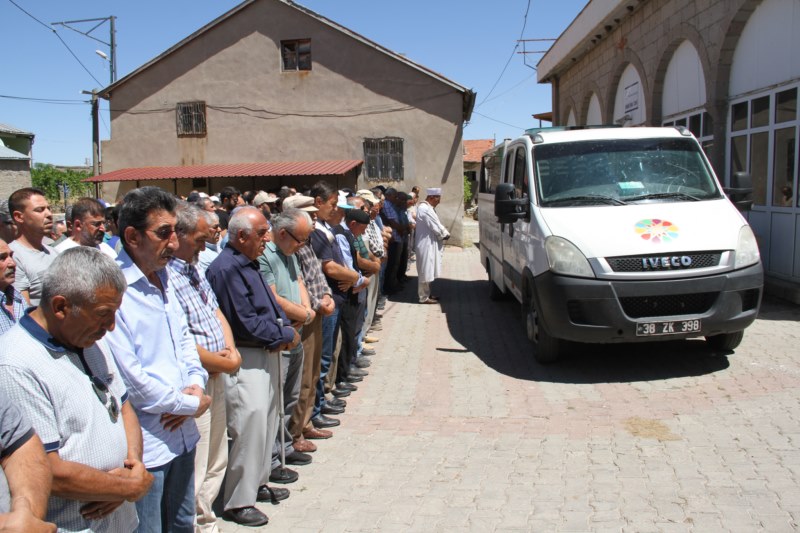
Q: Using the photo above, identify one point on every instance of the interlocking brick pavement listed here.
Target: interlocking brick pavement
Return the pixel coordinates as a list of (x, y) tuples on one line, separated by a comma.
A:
[(457, 428)]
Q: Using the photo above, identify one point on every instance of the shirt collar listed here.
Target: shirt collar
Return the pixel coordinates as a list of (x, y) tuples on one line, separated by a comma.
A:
[(16, 296), (132, 272), (237, 256), (40, 334)]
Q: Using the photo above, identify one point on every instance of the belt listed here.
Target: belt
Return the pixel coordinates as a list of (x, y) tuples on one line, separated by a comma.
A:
[(248, 344)]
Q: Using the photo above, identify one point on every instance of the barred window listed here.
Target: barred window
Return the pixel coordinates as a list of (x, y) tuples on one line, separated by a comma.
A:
[(296, 54), (191, 119), (383, 158)]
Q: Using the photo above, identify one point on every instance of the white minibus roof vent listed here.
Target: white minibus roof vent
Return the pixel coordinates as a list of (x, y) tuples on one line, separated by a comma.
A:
[(683, 130)]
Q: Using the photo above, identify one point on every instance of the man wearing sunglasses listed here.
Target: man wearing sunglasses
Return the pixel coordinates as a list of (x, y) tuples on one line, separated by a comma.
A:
[(158, 360), (69, 387)]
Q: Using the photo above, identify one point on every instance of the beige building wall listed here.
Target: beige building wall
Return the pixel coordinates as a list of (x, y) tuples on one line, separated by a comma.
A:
[(14, 174), (256, 112)]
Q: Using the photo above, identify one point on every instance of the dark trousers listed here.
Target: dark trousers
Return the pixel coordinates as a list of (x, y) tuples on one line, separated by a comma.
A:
[(390, 282), (348, 330)]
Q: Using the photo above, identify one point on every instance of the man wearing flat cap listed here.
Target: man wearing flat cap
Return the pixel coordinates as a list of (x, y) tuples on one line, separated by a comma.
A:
[(429, 244)]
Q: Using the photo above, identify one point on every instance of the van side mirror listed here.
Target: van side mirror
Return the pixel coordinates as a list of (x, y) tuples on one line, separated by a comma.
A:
[(507, 207), (740, 190)]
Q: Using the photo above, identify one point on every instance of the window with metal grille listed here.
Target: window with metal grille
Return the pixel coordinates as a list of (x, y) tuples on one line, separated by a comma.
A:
[(191, 119), (383, 158), (296, 54)]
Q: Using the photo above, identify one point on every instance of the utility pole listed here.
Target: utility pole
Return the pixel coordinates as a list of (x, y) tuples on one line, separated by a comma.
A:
[(112, 44), (95, 139)]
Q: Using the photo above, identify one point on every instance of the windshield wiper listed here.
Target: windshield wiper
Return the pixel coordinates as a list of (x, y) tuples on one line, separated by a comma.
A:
[(584, 199), (663, 195)]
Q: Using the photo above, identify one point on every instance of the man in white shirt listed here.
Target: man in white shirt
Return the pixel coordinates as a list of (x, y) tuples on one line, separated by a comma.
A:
[(87, 222)]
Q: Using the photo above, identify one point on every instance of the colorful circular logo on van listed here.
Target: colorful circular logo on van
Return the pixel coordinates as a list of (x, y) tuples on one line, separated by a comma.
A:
[(656, 230)]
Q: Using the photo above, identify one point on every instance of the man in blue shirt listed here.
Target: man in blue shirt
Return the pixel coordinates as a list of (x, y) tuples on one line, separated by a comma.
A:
[(12, 304), (261, 331), (158, 360)]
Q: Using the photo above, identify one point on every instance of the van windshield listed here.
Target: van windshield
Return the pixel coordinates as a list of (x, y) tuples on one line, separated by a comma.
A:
[(622, 171)]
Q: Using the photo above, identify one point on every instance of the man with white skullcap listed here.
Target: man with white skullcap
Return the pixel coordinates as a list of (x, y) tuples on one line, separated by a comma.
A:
[(429, 244)]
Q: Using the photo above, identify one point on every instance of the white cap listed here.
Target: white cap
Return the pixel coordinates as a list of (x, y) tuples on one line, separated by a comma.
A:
[(433, 191)]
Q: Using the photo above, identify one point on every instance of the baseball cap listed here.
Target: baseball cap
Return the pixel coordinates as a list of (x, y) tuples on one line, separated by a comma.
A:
[(299, 201)]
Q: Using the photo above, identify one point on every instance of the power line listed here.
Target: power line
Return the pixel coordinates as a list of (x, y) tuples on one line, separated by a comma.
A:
[(498, 121), (514, 51), (50, 28), (45, 100)]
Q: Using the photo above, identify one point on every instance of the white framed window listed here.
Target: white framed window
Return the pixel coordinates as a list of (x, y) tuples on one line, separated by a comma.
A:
[(699, 122)]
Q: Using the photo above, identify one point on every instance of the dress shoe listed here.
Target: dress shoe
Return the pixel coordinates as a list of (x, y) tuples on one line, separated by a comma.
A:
[(303, 445), (298, 458), (343, 385), (370, 339), (246, 516), (362, 362), (357, 372), (354, 379), (329, 409), (376, 326), (336, 402), (283, 475), (272, 495), (340, 393), (368, 351), (321, 422), (317, 434)]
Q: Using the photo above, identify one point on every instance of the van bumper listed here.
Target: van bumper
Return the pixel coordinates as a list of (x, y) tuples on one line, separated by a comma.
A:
[(605, 311)]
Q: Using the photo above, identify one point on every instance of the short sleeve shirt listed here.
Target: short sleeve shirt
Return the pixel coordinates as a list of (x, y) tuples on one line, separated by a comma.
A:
[(284, 272), (326, 249), (55, 393), (31, 265), (14, 432)]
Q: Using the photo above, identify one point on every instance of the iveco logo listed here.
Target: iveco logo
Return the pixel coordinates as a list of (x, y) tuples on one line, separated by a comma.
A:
[(666, 262)]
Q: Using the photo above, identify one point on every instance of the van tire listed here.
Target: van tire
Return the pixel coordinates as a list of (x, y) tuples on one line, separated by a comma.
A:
[(726, 341), (495, 294), (546, 349)]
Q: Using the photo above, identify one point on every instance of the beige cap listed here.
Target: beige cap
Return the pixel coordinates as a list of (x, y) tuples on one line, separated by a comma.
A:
[(264, 198), (368, 195), (299, 201)]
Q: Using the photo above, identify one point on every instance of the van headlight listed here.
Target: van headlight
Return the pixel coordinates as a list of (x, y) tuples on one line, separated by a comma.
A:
[(565, 258), (746, 249)]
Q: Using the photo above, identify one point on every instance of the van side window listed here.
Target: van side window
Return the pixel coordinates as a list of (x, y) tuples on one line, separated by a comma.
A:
[(490, 171), (520, 173)]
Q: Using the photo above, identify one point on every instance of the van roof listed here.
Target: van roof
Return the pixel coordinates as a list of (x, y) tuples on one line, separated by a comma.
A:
[(592, 134)]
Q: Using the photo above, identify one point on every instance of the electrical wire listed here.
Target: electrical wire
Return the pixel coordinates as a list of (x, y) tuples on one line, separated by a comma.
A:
[(50, 28), (514, 51), (498, 121), (45, 100)]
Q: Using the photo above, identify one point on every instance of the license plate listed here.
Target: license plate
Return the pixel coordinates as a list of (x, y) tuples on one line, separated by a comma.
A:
[(674, 327)]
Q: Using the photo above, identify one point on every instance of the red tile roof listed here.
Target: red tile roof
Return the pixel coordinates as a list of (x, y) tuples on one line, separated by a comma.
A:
[(473, 150), (245, 170)]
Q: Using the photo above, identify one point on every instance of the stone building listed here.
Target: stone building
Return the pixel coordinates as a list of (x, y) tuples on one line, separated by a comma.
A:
[(726, 69), (15, 159)]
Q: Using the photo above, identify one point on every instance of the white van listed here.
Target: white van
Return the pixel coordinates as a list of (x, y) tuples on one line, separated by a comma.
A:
[(609, 235)]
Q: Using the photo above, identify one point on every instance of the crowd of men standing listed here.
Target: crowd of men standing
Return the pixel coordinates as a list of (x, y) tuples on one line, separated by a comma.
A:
[(166, 352)]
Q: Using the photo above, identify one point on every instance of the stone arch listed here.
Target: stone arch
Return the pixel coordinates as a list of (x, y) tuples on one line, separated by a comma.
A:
[(629, 57), (569, 107), (685, 32), (592, 89)]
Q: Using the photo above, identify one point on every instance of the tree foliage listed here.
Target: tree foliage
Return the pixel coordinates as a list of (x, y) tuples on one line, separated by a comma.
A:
[(52, 181)]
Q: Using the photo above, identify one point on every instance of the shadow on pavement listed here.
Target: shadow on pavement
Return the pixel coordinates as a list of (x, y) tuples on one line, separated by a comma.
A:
[(493, 331)]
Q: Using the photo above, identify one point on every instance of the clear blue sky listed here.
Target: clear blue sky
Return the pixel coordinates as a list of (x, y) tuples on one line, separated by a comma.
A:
[(467, 41)]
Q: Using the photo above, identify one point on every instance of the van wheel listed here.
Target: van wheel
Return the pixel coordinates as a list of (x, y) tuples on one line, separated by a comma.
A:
[(725, 341), (546, 349), (495, 293)]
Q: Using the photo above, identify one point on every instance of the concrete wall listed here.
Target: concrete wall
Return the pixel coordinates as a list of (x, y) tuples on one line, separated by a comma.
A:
[(256, 112), (14, 174)]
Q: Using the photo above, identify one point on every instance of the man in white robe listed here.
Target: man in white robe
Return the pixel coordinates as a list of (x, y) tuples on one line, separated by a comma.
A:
[(429, 244)]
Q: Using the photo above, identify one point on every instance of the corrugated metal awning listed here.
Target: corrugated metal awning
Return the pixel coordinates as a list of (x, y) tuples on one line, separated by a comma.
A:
[(231, 170)]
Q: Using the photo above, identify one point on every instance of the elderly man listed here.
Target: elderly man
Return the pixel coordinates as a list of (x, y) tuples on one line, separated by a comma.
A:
[(212, 247), (281, 271), (13, 304), (429, 243), (25, 477), (261, 331), (214, 341), (8, 228), (34, 220), (87, 227), (262, 200), (158, 360), (70, 389)]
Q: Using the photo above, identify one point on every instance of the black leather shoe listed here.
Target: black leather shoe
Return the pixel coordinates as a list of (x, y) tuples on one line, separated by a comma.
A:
[(283, 475), (340, 393), (322, 422), (368, 351), (246, 516), (357, 372), (336, 402), (329, 409), (362, 362), (272, 495), (343, 385), (298, 458), (354, 379)]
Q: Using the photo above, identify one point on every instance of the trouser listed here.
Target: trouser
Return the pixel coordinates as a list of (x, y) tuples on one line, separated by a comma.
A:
[(211, 456), (291, 373), (372, 303), (401, 269), (391, 280), (423, 290), (330, 379), (349, 332), (252, 402), (330, 326), (312, 354), (169, 504)]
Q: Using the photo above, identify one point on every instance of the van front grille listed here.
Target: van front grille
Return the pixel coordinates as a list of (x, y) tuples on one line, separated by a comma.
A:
[(654, 262), (668, 305)]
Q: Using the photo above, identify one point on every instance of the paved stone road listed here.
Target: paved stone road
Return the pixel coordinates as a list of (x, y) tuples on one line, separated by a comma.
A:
[(458, 429)]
